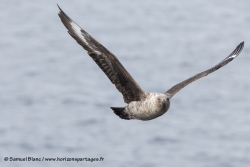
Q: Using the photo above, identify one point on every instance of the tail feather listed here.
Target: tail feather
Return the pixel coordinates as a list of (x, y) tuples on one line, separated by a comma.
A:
[(119, 111)]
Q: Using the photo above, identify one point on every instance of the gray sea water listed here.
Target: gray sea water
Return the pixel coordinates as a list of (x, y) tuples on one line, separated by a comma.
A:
[(54, 100)]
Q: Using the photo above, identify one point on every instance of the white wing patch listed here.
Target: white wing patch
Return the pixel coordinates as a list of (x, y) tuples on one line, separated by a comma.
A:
[(233, 56), (79, 33)]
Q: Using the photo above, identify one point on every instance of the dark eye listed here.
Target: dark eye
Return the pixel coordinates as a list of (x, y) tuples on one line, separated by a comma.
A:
[(159, 99)]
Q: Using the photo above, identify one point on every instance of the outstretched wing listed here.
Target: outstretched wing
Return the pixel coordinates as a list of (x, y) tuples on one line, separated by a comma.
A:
[(171, 92), (106, 60)]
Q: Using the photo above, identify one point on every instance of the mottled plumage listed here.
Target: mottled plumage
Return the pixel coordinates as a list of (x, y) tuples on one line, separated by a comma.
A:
[(141, 105)]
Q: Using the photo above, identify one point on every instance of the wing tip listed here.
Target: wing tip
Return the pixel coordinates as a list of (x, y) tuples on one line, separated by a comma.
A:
[(64, 17), (61, 12), (241, 44), (236, 51), (239, 48), (59, 7)]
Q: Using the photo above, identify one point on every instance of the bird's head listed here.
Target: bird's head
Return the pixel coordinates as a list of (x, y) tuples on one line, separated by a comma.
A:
[(162, 101)]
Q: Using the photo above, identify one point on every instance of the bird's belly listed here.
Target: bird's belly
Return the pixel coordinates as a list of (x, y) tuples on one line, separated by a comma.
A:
[(144, 111)]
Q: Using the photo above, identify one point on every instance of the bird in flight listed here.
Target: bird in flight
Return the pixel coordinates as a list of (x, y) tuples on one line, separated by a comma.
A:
[(141, 105)]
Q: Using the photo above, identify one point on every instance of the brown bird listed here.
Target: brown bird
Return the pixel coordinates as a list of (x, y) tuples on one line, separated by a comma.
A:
[(141, 105)]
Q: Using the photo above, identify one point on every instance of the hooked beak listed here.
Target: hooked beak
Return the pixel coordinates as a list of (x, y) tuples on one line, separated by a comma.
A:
[(164, 101)]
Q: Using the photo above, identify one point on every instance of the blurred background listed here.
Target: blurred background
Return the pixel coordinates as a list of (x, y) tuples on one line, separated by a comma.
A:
[(55, 101)]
